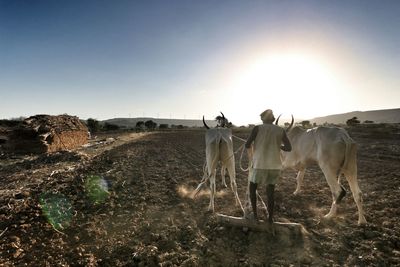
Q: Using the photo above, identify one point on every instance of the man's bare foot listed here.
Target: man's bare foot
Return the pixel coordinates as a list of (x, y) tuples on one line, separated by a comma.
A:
[(252, 217)]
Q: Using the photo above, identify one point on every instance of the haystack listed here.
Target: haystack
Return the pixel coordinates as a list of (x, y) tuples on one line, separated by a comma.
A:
[(45, 133)]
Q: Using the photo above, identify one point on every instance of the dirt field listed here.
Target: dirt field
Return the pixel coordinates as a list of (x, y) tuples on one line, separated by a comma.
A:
[(50, 215)]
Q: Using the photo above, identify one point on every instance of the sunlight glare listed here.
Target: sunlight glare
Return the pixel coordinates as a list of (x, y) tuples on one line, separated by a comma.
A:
[(287, 83)]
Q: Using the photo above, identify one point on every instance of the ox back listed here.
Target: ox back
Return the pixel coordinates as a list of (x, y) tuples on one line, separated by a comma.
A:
[(219, 149), (335, 152)]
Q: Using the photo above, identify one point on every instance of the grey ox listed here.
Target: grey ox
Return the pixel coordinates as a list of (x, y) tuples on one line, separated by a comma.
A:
[(335, 152)]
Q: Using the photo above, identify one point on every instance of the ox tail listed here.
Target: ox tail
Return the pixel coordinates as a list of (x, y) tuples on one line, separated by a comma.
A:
[(203, 180), (349, 166)]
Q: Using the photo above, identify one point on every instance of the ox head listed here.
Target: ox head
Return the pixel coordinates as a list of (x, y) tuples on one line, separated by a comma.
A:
[(290, 126), (221, 121)]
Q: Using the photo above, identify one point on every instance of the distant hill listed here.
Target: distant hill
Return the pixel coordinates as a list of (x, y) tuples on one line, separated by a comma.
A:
[(131, 122), (377, 116)]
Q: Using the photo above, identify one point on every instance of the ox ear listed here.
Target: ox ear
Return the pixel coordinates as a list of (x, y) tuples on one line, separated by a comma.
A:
[(291, 124), (205, 124), (277, 120)]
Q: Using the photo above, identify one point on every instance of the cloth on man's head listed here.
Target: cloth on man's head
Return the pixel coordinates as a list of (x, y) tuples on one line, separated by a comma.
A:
[(267, 115)]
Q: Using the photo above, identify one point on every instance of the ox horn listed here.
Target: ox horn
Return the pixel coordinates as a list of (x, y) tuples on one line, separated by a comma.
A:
[(277, 120), (291, 125), (224, 120), (205, 124)]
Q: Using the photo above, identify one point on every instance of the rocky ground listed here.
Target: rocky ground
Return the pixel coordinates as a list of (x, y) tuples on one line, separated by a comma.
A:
[(127, 202)]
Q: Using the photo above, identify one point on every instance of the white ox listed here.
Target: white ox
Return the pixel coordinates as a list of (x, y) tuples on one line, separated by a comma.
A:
[(219, 149), (335, 153)]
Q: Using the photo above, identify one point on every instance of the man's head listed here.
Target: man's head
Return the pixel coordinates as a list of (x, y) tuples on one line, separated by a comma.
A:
[(267, 116)]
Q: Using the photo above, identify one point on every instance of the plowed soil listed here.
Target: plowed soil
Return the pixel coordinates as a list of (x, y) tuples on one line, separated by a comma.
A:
[(148, 217)]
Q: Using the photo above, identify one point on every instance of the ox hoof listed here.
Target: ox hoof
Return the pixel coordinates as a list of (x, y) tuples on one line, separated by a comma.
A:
[(329, 216), (362, 221), (209, 212), (297, 192)]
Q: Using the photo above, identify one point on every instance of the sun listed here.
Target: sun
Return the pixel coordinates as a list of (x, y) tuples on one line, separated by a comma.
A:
[(290, 83)]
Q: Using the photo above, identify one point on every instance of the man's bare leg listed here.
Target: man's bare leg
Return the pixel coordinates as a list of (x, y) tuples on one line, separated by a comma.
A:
[(253, 199), (270, 202)]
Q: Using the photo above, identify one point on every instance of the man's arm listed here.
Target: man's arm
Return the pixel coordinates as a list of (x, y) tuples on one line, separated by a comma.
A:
[(286, 143), (252, 137), (250, 141)]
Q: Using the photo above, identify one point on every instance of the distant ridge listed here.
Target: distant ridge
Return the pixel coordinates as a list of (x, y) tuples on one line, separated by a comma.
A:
[(377, 116), (131, 122)]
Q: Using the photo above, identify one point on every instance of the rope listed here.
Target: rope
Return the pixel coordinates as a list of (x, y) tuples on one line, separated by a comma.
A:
[(237, 137), (242, 148), (205, 173), (241, 154)]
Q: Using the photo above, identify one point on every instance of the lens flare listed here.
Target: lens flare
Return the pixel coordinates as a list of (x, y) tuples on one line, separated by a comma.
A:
[(57, 210), (97, 188)]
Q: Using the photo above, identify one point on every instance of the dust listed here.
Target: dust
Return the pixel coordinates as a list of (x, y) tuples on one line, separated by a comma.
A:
[(189, 192)]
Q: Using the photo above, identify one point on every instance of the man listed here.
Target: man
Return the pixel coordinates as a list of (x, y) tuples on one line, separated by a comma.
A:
[(268, 140)]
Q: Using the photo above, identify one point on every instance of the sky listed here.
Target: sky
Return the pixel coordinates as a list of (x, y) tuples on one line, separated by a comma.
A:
[(185, 59)]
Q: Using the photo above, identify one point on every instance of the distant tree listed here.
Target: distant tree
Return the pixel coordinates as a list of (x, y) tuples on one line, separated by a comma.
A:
[(10, 123), (353, 121), (140, 124), (93, 125), (163, 126), (368, 121), (180, 126), (314, 124), (150, 124), (111, 127), (21, 118), (306, 124)]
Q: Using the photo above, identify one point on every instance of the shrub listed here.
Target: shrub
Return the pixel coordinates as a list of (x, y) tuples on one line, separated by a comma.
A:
[(150, 124), (93, 125), (306, 124), (353, 121), (111, 127)]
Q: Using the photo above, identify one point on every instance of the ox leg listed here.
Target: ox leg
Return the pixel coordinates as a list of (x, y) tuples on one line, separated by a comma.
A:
[(299, 179), (232, 174), (335, 187), (357, 195), (212, 192), (223, 176)]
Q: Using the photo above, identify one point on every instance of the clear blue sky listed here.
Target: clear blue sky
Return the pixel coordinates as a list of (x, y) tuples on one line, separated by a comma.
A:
[(183, 59)]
